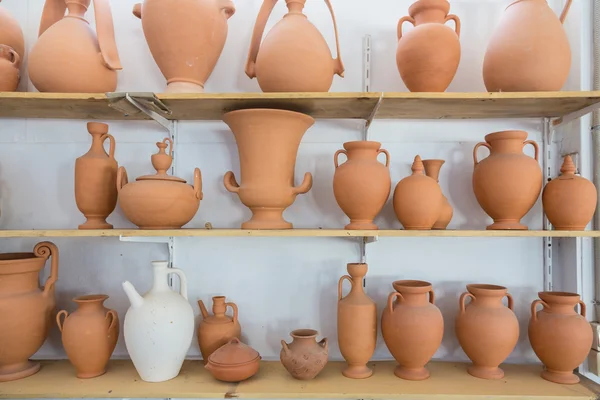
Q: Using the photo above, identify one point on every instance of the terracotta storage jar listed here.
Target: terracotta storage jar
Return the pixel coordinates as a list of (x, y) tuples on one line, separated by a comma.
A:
[(304, 358), (233, 362), (432, 170), (218, 329)]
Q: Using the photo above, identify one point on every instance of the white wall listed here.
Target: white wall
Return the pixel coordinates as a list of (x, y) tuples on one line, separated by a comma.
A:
[(279, 284)]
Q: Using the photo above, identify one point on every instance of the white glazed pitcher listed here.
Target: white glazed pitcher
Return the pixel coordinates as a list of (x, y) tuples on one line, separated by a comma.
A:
[(159, 327)]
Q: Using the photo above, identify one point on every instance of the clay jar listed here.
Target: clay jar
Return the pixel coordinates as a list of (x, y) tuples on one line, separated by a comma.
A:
[(428, 55), (11, 34), (412, 327), (508, 182), (361, 185), (268, 142), (418, 199), (432, 170), (96, 179), (216, 330), (569, 200), (10, 62), (529, 51), (186, 38), (233, 362), (356, 324), (486, 330), (26, 309), (89, 335), (560, 337), (294, 56), (304, 358)]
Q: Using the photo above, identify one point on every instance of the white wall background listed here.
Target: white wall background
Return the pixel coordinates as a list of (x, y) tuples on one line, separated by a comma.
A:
[(279, 284)]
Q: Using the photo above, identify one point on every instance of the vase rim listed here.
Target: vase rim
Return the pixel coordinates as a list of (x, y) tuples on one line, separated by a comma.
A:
[(362, 144), (412, 286), (559, 297), (483, 288), (304, 333), (260, 111), (508, 134), (90, 298), (422, 5)]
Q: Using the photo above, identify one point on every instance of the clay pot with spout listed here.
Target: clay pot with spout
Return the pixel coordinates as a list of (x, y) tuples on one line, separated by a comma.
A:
[(560, 337), (96, 179), (486, 330), (294, 56), (507, 183), (218, 329), (268, 142), (361, 185), (304, 358), (432, 170), (11, 34), (529, 51), (10, 62), (89, 335), (68, 57), (186, 38), (27, 309), (428, 55)]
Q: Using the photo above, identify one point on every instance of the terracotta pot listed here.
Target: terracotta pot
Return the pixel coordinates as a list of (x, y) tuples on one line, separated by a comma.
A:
[(418, 199), (432, 170), (294, 56), (10, 62), (486, 330), (356, 324), (304, 358), (529, 51), (186, 38), (412, 328), (96, 179), (507, 183), (26, 309), (361, 185), (159, 201), (89, 335), (68, 57), (428, 56), (267, 143), (569, 200), (233, 362), (217, 330), (11, 33), (560, 337)]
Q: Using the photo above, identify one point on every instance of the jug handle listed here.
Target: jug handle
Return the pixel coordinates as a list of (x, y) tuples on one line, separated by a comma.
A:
[(54, 11), (582, 307), (305, 186), (387, 156), (456, 22), (121, 178), (335, 156), (230, 183), (391, 298), (182, 281), (235, 311), (16, 59), (324, 343), (259, 28), (431, 297), (58, 320), (565, 11), (284, 347), (113, 318), (511, 302), (461, 301), (106, 35), (533, 307), (137, 10), (478, 145), (198, 184), (535, 146), (338, 64), (46, 250), (402, 21), (111, 150), (341, 282)]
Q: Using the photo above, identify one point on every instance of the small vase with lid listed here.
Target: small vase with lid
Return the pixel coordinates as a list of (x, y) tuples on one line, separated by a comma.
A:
[(218, 329)]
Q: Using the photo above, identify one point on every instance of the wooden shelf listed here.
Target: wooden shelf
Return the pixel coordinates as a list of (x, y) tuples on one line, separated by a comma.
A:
[(448, 381), (211, 106)]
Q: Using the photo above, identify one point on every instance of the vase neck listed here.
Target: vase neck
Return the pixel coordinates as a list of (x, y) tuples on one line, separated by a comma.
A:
[(97, 143), (415, 299), (160, 278), (489, 301), (295, 6), (506, 146), (219, 306), (560, 309), (19, 283), (77, 8), (90, 306), (362, 154), (430, 16)]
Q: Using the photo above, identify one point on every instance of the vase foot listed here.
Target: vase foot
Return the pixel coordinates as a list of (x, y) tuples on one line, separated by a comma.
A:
[(88, 375), (357, 372), (485, 372), (411, 374), (19, 371), (507, 224), (564, 377), (95, 223), (361, 225), (184, 87), (267, 218)]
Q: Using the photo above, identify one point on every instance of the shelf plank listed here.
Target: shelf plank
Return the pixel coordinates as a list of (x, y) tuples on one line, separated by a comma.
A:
[(448, 381)]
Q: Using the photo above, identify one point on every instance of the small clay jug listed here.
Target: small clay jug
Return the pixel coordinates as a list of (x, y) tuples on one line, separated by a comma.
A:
[(432, 170), (418, 199), (294, 56), (361, 185), (486, 330), (529, 51), (412, 328), (356, 324), (10, 62), (89, 335), (216, 330), (96, 179), (560, 337), (428, 55), (507, 183), (11, 34), (569, 200), (304, 358)]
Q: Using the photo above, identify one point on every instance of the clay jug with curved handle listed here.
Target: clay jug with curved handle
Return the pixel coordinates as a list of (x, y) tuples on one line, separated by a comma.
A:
[(294, 56)]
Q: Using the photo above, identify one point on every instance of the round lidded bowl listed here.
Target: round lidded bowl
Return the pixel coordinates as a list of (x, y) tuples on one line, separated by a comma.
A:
[(233, 362)]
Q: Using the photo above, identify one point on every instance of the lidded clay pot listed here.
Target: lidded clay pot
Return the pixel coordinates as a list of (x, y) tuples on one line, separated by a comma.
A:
[(159, 201), (233, 362), (68, 57), (11, 34), (529, 51), (26, 309), (560, 337), (186, 38), (569, 200), (356, 324), (428, 55), (507, 183), (89, 335), (412, 327), (216, 330), (432, 170), (294, 57), (486, 330), (418, 199), (96, 179), (304, 358), (361, 185), (10, 62)]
